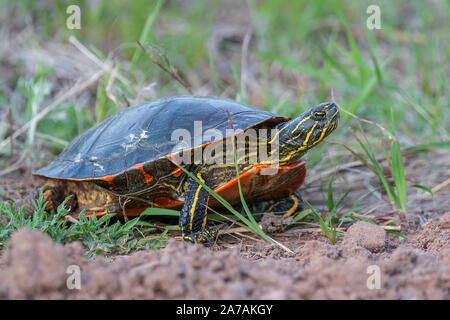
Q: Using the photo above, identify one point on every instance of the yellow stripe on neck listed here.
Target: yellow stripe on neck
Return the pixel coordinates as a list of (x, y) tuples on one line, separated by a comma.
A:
[(194, 205), (303, 120), (309, 134)]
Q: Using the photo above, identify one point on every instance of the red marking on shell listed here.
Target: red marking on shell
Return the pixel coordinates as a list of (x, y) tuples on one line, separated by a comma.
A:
[(140, 166), (177, 172), (285, 182), (264, 187), (168, 203)]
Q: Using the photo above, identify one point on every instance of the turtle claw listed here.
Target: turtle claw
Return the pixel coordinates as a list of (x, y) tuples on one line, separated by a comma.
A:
[(206, 235)]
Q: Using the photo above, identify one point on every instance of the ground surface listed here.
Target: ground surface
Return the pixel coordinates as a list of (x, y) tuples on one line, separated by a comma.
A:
[(34, 266)]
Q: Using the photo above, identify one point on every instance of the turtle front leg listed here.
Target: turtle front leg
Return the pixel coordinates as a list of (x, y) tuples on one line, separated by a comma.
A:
[(287, 206), (194, 213)]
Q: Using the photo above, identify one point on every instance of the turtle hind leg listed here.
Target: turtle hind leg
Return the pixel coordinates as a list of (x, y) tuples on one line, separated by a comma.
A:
[(54, 195), (287, 206), (279, 214)]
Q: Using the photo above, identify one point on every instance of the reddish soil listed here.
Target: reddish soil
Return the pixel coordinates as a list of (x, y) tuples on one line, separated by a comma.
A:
[(34, 267)]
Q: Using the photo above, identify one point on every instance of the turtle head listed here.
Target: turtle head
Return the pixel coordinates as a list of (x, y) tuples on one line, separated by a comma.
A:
[(299, 135)]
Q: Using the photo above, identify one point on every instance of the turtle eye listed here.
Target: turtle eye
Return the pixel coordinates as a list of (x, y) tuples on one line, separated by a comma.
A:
[(319, 114)]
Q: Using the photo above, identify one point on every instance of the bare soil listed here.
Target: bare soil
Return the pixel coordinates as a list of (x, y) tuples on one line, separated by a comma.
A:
[(35, 267)]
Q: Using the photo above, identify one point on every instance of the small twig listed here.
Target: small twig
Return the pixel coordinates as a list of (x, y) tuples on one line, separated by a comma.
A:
[(105, 66), (392, 228), (71, 219), (282, 246), (229, 219), (123, 205), (239, 231), (171, 71), (438, 187), (378, 205), (234, 230), (247, 236), (384, 215), (15, 166), (125, 98), (52, 138)]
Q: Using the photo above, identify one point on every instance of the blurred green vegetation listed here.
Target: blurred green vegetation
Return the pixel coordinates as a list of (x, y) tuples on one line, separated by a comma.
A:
[(397, 76)]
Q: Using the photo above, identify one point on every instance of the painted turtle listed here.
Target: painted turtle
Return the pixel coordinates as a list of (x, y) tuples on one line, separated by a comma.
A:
[(126, 163)]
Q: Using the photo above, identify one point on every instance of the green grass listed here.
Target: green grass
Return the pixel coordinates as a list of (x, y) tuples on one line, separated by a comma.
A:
[(99, 235), (332, 220), (396, 77), (294, 37)]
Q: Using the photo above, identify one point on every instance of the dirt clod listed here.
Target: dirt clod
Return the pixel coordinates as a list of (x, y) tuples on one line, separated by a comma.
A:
[(367, 235), (37, 266), (433, 238), (444, 221)]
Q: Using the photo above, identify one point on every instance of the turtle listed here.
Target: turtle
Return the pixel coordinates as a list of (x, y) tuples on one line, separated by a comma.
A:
[(163, 153)]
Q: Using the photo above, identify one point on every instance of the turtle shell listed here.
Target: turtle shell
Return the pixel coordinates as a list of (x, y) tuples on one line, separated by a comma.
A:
[(142, 134)]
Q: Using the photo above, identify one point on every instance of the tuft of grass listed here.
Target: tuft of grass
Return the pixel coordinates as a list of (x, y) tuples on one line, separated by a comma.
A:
[(332, 206), (328, 225), (52, 224), (397, 191), (100, 236)]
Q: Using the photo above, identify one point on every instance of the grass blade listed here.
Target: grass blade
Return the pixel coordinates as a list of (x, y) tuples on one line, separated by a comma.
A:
[(145, 34), (399, 175)]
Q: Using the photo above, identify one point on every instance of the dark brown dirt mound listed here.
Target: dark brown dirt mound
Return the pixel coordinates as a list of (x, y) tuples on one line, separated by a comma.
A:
[(34, 267)]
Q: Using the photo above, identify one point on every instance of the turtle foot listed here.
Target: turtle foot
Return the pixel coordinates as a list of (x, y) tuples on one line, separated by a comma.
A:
[(206, 235)]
